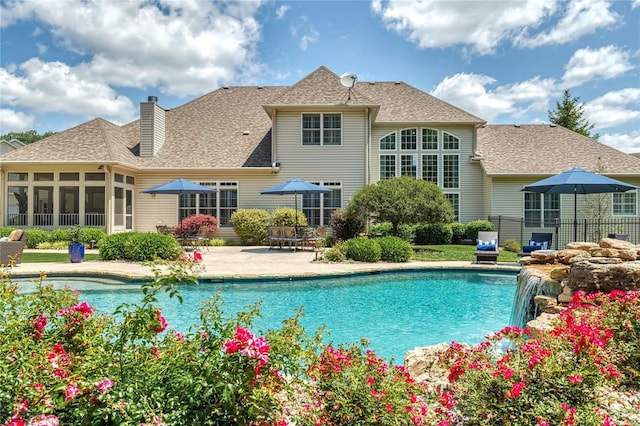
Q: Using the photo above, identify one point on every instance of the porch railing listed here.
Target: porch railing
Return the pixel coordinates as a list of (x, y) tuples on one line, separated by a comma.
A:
[(64, 219), (590, 230)]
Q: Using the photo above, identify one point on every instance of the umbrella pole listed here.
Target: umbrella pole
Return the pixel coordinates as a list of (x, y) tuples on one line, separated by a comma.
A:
[(296, 210)]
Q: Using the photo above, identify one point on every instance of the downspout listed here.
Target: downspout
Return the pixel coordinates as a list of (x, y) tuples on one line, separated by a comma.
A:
[(367, 138), (3, 190)]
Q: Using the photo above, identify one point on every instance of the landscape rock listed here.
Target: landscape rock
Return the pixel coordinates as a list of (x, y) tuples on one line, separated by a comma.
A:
[(422, 364), (560, 272), (603, 276), (616, 244), (544, 256), (581, 245), (606, 260), (544, 322), (565, 256)]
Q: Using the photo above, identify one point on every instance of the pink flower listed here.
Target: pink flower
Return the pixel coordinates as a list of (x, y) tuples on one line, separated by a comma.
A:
[(16, 422), (542, 421), (162, 322), (231, 347), (516, 389), (105, 385), (39, 324), (389, 408), (84, 308), (44, 420), (71, 391), (576, 378), (179, 337)]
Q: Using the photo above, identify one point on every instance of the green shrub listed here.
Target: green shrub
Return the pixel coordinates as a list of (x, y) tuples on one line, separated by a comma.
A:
[(381, 230), (36, 236), (457, 232), (363, 249), (394, 249), (512, 246), (335, 253), (113, 246), (220, 242), (4, 232), (251, 225), (146, 246), (59, 245), (59, 234), (476, 226), (44, 246), (92, 234), (286, 216), (433, 233), (345, 226)]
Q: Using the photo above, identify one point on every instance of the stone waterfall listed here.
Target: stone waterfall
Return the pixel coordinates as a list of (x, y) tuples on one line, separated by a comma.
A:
[(531, 283)]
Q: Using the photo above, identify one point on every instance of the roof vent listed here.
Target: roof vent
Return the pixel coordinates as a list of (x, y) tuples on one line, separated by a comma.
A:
[(153, 99), (246, 132), (552, 125), (516, 125)]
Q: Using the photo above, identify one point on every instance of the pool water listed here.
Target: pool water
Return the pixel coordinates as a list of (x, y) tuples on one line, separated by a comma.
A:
[(396, 311)]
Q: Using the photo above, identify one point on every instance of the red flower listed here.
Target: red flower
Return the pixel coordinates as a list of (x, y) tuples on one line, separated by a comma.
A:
[(516, 389), (162, 322), (576, 378)]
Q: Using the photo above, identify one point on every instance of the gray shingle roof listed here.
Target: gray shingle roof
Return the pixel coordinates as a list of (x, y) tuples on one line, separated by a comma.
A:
[(542, 149)]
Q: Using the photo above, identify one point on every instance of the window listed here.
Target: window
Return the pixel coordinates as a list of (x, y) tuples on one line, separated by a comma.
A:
[(220, 204), (17, 205), (70, 176), (429, 139), (69, 206), (94, 202), (449, 141), (43, 206), (539, 206), (409, 165), (118, 206), (43, 176), (454, 199), (451, 171), (17, 177), (318, 208), (117, 177), (430, 168), (94, 176), (409, 139), (388, 142), (322, 129), (387, 166), (624, 204)]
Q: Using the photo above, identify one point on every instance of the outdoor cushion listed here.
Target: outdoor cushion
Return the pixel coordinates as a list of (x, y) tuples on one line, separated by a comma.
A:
[(543, 245), (486, 245), (16, 235), (4, 239), (532, 247)]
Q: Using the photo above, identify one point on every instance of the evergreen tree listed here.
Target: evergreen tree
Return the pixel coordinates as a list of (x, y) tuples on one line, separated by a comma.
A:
[(30, 136), (569, 114)]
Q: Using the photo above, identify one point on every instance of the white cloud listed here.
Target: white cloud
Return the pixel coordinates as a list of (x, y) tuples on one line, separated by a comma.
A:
[(182, 47), (484, 24), (15, 121), (469, 92), (635, 3), (580, 17), (629, 143), (281, 11), (614, 108), (305, 31), (56, 87), (587, 64)]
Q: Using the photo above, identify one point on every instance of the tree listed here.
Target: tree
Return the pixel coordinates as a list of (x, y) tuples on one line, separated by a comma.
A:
[(30, 136), (597, 207), (569, 114), (402, 200)]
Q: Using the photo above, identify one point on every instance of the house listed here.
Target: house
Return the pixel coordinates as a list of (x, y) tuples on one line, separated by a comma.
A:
[(10, 145), (241, 140)]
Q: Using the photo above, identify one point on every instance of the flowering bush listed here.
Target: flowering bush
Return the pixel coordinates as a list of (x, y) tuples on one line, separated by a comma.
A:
[(197, 220), (553, 377)]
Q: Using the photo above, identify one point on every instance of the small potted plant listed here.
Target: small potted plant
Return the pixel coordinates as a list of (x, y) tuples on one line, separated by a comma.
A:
[(76, 247)]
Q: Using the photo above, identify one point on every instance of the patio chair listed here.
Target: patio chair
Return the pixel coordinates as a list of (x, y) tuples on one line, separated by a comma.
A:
[(621, 237), (11, 249), (538, 241), (314, 237), (290, 237), (487, 247), (201, 238), (274, 236)]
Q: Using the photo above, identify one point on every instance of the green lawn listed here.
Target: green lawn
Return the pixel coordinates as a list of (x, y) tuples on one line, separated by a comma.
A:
[(62, 257), (463, 253)]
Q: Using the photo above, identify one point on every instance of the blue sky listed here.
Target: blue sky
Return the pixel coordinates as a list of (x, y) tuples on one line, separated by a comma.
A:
[(64, 62)]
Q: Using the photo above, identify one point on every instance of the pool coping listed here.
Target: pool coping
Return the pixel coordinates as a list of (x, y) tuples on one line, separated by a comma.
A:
[(236, 263)]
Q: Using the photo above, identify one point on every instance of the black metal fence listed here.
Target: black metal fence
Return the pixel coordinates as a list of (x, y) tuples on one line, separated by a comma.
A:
[(563, 230)]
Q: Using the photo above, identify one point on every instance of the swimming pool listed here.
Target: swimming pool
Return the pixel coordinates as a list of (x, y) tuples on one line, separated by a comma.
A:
[(396, 311)]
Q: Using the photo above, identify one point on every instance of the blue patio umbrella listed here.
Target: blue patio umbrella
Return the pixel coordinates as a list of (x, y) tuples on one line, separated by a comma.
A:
[(577, 181), (296, 186), (180, 187)]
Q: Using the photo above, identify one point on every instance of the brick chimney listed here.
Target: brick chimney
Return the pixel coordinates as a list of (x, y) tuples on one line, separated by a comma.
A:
[(151, 127)]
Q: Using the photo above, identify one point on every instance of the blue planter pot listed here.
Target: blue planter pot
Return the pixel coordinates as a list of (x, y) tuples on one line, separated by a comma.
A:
[(76, 252)]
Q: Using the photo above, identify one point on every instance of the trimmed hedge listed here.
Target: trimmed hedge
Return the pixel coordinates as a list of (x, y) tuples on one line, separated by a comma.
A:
[(394, 249), (251, 225), (433, 233), (363, 249), (457, 232), (475, 226), (145, 246)]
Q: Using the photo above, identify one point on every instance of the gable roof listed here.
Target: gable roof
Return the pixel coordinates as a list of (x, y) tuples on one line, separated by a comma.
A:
[(542, 149), (402, 103), (13, 143)]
